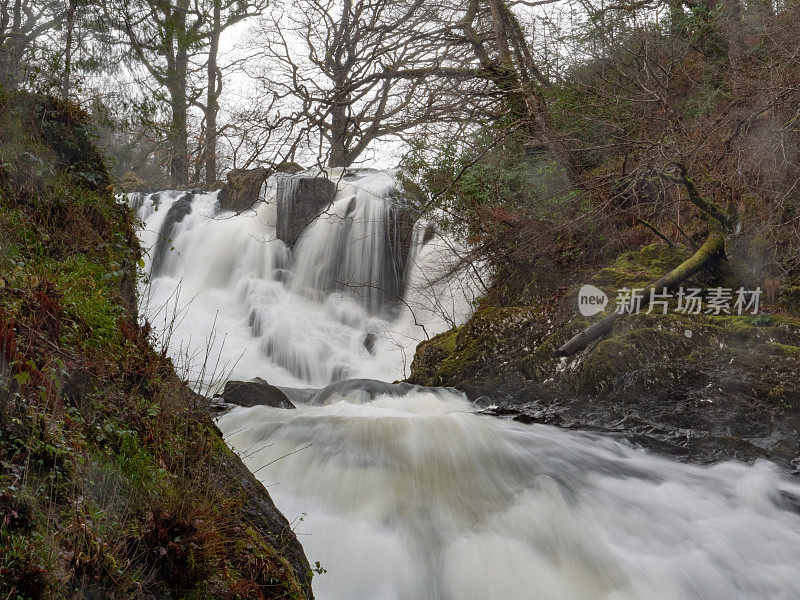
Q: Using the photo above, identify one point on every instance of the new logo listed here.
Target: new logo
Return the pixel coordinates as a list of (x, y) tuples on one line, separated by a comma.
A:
[(591, 300)]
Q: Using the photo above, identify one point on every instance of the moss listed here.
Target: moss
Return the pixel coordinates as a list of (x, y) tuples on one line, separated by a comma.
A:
[(625, 353), (446, 342), (444, 356), (786, 349), (89, 296), (462, 356), (639, 268)]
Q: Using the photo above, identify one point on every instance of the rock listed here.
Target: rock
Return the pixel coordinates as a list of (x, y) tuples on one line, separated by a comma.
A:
[(430, 231), (726, 391), (217, 405), (367, 388), (177, 213), (400, 233), (242, 189), (131, 182), (300, 200), (369, 342), (256, 392)]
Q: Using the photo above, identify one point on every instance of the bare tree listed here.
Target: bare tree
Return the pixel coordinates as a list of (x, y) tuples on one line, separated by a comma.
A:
[(356, 71), (220, 15), (177, 43), (161, 37), (25, 29)]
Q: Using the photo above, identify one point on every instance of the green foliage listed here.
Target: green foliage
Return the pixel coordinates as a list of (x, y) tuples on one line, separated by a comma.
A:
[(491, 168), (88, 295)]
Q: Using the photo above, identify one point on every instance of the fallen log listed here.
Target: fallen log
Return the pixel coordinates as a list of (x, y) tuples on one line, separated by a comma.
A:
[(711, 250)]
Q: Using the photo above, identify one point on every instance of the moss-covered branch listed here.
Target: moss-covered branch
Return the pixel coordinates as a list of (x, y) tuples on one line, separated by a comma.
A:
[(709, 209), (709, 252)]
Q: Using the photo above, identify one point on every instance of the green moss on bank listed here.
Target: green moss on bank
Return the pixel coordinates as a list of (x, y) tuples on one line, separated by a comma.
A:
[(754, 356), (639, 268), (113, 480)]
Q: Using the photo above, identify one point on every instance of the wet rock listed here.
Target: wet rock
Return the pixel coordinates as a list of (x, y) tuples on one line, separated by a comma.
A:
[(400, 232), (218, 406), (369, 342), (256, 392), (726, 390), (299, 201), (177, 213), (430, 231), (368, 389), (242, 189)]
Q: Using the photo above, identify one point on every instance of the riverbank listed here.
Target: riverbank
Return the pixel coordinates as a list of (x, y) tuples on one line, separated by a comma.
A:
[(114, 482), (698, 387)]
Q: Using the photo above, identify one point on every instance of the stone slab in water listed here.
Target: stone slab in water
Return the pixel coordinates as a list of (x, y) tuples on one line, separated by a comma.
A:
[(242, 189), (368, 388), (256, 392)]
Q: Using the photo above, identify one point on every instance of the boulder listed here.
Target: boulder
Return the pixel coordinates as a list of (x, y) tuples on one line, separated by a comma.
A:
[(131, 182), (300, 200), (368, 389), (256, 392), (242, 189)]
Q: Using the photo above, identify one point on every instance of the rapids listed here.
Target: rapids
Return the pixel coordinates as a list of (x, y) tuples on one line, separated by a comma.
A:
[(413, 495)]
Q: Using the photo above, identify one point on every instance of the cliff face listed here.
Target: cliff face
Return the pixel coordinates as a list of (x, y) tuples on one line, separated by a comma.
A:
[(702, 387), (115, 481)]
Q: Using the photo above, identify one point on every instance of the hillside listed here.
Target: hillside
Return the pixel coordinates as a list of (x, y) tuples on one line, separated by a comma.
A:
[(115, 483)]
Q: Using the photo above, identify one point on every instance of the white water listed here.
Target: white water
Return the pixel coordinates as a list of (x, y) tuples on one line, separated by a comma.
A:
[(296, 318), (414, 496)]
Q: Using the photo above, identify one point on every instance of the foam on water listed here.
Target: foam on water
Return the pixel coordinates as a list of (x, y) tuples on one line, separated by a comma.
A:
[(415, 496)]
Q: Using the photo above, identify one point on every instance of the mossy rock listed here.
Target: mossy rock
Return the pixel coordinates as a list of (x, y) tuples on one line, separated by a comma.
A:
[(485, 345), (97, 420), (647, 351), (625, 353)]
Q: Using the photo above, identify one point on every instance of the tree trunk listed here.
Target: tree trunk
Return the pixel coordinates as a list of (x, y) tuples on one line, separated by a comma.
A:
[(212, 100), (66, 81), (12, 47), (179, 132), (338, 141)]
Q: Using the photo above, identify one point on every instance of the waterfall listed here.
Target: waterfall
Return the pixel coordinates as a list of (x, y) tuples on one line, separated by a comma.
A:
[(403, 492), (308, 287)]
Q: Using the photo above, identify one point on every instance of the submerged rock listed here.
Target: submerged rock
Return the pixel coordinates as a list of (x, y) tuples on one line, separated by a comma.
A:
[(367, 388), (256, 392)]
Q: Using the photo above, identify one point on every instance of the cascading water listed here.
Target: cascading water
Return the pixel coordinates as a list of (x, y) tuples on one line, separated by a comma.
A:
[(404, 492), (346, 301)]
